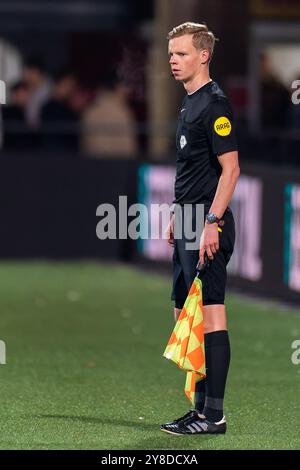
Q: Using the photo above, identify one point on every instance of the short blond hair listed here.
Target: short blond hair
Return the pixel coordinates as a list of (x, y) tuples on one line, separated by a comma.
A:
[(202, 37)]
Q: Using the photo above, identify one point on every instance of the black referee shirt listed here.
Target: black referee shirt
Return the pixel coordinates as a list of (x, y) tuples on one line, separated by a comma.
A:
[(205, 129)]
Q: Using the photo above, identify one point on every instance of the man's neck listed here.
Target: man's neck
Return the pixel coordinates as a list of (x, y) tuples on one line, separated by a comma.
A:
[(196, 83)]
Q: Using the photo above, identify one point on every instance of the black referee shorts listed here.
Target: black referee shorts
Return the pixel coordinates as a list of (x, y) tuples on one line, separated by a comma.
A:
[(215, 277)]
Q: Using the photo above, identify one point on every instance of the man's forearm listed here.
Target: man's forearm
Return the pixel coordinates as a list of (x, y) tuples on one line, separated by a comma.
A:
[(224, 192)]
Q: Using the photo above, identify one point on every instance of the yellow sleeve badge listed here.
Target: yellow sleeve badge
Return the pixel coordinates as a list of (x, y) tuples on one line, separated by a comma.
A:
[(222, 126)]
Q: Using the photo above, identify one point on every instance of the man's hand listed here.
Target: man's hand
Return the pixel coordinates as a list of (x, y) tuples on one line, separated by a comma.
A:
[(209, 241), (170, 231)]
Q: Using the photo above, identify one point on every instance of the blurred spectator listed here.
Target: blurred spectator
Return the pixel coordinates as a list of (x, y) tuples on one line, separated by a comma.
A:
[(34, 76), (275, 98), (16, 133), (81, 99), (59, 119), (131, 70), (108, 125)]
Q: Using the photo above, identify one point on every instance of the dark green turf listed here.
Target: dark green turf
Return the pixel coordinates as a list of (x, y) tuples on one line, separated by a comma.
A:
[(85, 368)]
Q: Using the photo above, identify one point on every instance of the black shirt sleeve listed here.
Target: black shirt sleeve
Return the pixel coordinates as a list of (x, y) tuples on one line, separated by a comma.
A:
[(220, 126)]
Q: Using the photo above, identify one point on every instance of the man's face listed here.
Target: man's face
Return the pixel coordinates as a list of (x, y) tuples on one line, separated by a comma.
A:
[(185, 60)]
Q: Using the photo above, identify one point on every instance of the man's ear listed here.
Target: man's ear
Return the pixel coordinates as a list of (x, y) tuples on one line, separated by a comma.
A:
[(204, 56)]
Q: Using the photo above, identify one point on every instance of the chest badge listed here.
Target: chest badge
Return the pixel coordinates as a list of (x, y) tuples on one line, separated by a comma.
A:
[(183, 141)]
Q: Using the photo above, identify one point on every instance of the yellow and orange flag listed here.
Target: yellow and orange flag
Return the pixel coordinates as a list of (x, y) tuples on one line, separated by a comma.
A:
[(186, 344)]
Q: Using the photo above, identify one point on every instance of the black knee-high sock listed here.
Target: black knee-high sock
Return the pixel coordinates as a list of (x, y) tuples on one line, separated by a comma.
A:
[(217, 358), (200, 395)]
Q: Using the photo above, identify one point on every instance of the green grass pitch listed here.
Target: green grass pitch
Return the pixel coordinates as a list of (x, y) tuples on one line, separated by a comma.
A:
[(85, 368)]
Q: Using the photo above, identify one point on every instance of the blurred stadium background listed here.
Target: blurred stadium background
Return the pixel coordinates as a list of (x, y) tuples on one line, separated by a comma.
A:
[(90, 114)]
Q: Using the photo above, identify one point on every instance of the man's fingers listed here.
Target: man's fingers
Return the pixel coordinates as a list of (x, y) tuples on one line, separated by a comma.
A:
[(171, 239), (209, 252), (201, 255), (169, 234), (213, 248)]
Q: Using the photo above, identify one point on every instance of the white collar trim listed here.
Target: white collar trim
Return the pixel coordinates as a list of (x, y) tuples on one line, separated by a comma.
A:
[(200, 87)]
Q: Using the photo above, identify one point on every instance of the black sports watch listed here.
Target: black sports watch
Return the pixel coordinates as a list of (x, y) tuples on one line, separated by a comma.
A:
[(211, 218)]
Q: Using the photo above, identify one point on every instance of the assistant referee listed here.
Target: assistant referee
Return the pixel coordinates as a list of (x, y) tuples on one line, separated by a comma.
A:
[(207, 170)]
